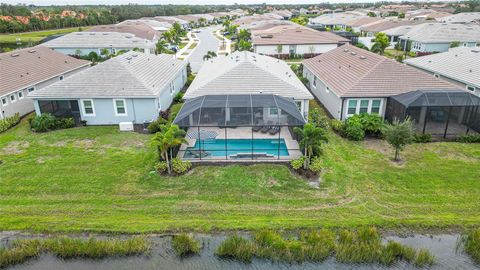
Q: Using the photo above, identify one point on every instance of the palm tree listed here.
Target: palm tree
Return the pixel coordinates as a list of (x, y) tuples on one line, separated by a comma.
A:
[(105, 52), (209, 55), (168, 137), (168, 36), (311, 139), (161, 47)]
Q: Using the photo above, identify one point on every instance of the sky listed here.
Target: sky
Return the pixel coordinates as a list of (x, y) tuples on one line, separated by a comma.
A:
[(179, 2)]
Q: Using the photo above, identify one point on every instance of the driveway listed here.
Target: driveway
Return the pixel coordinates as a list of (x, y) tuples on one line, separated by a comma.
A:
[(207, 43)]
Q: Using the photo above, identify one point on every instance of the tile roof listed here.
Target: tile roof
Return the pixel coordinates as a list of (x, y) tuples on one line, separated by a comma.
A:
[(22, 68), (98, 40), (464, 17), (443, 32), (353, 72), (460, 64), (335, 18), (140, 30), (247, 73), (362, 21), (386, 24), (132, 74), (294, 34)]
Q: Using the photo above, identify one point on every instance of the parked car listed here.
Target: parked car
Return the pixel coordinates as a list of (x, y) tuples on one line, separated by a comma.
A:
[(197, 31)]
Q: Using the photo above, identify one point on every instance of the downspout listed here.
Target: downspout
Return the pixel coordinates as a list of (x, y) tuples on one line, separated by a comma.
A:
[(341, 109), (134, 114)]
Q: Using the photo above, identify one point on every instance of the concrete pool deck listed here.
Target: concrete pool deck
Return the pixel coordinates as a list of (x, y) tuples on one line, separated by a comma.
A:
[(246, 134)]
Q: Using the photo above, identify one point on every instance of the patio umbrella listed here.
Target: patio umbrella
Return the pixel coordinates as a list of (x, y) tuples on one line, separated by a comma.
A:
[(203, 134)]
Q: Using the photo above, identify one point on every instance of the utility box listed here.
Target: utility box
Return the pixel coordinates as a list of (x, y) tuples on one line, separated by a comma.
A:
[(126, 126)]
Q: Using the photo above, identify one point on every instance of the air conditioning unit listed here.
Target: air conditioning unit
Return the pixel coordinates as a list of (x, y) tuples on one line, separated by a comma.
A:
[(126, 126)]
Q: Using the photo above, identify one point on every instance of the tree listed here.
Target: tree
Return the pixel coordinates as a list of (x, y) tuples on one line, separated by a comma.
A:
[(161, 46), (371, 14), (244, 45), (401, 15), (209, 55), (279, 49), (381, 43), (399, 134), (311, 139), (165, 140), (105, 52), (244, 35), (455, 44)]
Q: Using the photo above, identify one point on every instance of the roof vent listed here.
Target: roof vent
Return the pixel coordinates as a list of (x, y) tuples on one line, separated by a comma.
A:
[(363, 57), (135, 55), (32, 51), (129, 58), (353, 53), (345, 50), (14, 54)]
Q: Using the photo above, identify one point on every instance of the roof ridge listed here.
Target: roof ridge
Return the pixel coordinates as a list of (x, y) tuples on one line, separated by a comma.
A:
[(281, 78), (124, 66)]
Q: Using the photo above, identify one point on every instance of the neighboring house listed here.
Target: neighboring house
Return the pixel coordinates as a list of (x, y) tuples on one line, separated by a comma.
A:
[(284, 40), (25, 71), (132, 87), (357, 23), (394, 34), (334, 21), (171, 20), (137, 29), (159, 27), (464, 17), (438, 37), (244, 73), (82, 43), (460, 66), (350, 80), (371, 29)]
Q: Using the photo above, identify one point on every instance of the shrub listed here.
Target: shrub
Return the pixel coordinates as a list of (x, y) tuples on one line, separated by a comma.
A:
[(372, 124), (154, 126), (469, 138), (354, 131), (424, 258), (178, 97), (62, 123), (161, 167), (422, 138), (297, 164), (43, 122), (236, 247), (179, 166), (338, 126), (185, 245), (316, 165), (9, 122), (190, 79), (316, 117)]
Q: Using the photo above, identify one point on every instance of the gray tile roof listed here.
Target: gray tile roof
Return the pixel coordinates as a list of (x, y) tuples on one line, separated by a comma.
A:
[(247, 73), (138, 29), (22, 68), (443, 32), (98, 40), (132, 74), (294, 34), (335, 18), (460, 64), (386, 24), (353, 72), (464, 17)]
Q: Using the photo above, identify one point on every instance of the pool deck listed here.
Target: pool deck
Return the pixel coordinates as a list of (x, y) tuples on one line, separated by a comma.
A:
[(244, 133)]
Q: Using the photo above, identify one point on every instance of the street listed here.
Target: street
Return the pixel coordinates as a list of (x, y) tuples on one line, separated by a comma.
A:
[(208, 42)]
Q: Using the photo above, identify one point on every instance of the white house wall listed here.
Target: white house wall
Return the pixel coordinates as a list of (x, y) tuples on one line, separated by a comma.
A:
[(329, 99), (25, 105), (301, 49)]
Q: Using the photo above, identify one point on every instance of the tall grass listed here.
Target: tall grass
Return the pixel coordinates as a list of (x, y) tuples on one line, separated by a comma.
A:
[(350, 246), (185, 245), (236, 247), (471, 244), (24, 249)]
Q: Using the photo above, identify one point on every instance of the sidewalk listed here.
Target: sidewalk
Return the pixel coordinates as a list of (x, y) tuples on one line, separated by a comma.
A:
[(223, 40), (186, 48)]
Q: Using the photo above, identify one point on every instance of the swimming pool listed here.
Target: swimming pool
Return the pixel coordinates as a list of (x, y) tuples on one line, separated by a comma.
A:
[(218, 147)]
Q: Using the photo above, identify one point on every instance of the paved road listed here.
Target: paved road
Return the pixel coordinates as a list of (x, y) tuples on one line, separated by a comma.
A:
[(207, 43)]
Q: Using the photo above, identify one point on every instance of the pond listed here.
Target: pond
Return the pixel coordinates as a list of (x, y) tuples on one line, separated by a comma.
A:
[(163, 257)]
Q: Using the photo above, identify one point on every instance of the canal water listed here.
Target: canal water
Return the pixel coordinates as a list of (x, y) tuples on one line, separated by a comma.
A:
[(444, 247)]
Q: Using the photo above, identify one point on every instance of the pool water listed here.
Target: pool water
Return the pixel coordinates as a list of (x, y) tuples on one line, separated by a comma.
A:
[(217, 147)]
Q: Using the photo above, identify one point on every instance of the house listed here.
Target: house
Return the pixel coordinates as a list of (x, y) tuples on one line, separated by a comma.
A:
[(139, 30), (334, 21), (243, 107), (349, 80), (132, 87), (249, 73), (438, 37), (285, 40), (460, 66), (171, 20), (159, 27), (357, 23), (83, 43), (371, 29), (25, 71), (462, 18)]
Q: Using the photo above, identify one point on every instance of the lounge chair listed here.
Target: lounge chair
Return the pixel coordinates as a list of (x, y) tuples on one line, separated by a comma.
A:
[(256, 128), (265, 129), (198, 153), (274, 130)]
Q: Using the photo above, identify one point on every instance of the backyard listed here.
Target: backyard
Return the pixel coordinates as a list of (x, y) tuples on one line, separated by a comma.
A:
[(98, 179)]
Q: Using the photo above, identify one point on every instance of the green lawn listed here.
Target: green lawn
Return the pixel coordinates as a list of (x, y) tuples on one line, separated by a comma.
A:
[(35, 36), (98, 179)]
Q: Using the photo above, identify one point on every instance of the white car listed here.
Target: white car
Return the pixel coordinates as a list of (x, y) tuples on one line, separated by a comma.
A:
[(196, 31)]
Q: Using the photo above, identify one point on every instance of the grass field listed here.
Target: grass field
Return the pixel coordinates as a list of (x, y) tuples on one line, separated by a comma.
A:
[(98, 179), (35, 36)]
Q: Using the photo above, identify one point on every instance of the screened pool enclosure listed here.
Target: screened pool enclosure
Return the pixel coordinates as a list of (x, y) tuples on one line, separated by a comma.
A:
[(240, 127), (446, 114)]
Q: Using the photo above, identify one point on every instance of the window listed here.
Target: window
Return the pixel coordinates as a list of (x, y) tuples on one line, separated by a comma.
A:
[(352, 106), (31, 89), (61, 78), (299, 105), (20, 95), (120, 107), (88, 108), (273, 111), (376, 106), (4, 101), (13, 98), (293, 49), (470, 88), (364, 106)]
